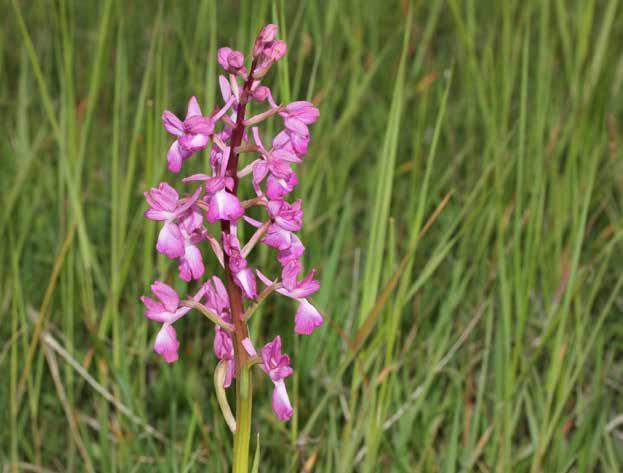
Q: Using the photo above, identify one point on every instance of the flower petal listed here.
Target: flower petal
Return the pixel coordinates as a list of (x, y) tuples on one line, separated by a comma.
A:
[(170, 241), (195, 261), (166, 343), (281, 401), (245, 280), (155, 310), (172, 124), (307, 318), (224, 206), (193, 108), (176, 155), (166, 294)]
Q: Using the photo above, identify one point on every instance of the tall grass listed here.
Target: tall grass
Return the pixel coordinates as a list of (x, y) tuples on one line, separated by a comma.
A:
[(463, 199)]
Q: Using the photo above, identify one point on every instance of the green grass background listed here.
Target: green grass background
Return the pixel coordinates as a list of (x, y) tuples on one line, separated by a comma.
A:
[(462, 202)]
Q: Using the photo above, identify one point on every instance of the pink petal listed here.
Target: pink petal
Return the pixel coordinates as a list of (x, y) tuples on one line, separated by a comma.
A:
[(184, 270), (166, 343), (300, 144), (221, 57), (277, 50), (276, 187), (229, 374), (260, 169), (307, 318), (281, 401), (200, 126), (170, 241), (294, 251), (245, 279), (285, 155), (224, 206), (158, 215), (197, 177), (172, 124), (175, 156), (193, 108), (223, 345), (189, 203), (296, 125), (164, 197), (304, 111), (155, 310), (248, 346), (261, 93), (290, 273), (277, 237), (306, 287), (193, 142), (166, 294), (225, 87), (195, 261)]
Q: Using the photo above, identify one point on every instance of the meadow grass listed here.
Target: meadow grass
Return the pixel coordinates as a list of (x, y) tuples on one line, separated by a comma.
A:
[(463, 198)]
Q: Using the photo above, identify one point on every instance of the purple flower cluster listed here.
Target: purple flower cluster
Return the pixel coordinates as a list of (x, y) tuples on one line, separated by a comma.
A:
[(230, 137)]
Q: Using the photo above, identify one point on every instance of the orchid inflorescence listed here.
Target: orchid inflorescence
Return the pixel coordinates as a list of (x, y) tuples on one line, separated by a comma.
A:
[(229, 134)]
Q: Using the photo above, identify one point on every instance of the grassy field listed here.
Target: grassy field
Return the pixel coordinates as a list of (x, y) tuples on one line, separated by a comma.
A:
[(462, 198)]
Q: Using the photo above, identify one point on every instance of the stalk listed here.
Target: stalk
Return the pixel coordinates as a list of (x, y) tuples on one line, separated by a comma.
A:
[(244, 385)]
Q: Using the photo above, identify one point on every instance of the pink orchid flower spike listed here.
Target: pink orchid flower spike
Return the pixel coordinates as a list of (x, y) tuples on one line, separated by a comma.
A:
[(214, 215)]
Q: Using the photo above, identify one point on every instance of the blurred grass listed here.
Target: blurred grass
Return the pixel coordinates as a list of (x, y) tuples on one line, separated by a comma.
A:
[(462, 201)]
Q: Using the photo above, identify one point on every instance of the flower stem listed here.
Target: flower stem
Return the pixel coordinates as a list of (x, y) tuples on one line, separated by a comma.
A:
[(244, 385), (244, 402)]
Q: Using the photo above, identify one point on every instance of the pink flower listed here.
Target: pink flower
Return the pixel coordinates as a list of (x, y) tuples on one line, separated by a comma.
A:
[(222, 205), (191, 262), (307, 317), (166, 343), (243, 276), (277, 187), (164, 202), (287, 216), (297, 115), (293, 252), (277, 366), (267, 50), (230, 60), (277, 161), (261, 93), (216, 297), (167, 311), (193, 134), (265, 37), (170, 241), (277, 237), (292, 142), (165, 206)]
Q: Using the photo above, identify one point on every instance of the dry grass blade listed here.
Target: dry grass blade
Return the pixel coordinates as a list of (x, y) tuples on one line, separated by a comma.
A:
[(71, 420), (54, 345), (43, 311)]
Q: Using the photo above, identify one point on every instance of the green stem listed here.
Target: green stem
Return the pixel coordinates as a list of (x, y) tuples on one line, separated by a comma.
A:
[(242, 437)]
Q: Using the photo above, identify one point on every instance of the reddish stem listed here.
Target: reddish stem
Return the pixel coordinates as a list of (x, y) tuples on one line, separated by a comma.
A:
[(234, 292)]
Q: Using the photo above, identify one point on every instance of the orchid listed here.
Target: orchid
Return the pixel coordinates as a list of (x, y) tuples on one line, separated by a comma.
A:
[(230, 136), (167, 311)]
